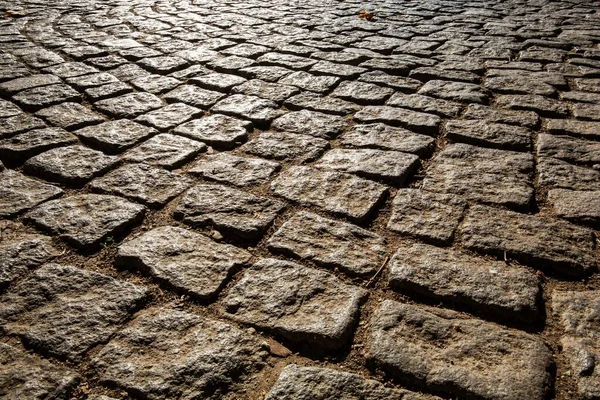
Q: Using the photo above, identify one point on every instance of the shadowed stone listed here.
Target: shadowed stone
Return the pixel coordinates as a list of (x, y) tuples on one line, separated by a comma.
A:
[(313, 83), (325, 104), (584, 129), (28, 82), (194, 96), (488, 134), (19, 123), (569, 149), (19, 193), (455, 91), (530, 102), (417, 102), (362, 92), (25, 145), (413, 120), (270, 91)]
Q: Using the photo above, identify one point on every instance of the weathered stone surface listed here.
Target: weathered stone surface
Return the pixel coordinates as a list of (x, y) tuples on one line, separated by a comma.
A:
[(413, 120), (155, 84), (577, 313), (105, 91), (268, 73), (301, 304), (484, 175), (392, 166), (516, 83), (417, 102), (433, 217), (8, 109), (216, 130), (22, 253), (381, 136), (28, 144), (569, 149), (284, 146), (426, 73), (542, 242), (239, 171), (399, 83), (232, 212), (362, 92), (296, 382), (23, 376), (193, 95), (165, 150), (436, 348), (491, 289), (330, 243), (557, 174), (334, 192), (87, 219), (325, 67), (70, 115), (189, 356), (313, 83), (50, 309), (163, 64), (590, 112), (81, 82), (527, 119), (266, 90), (114, 136), (40, 97), (170, 116), (129, 105), (455, 91), (71, 165), (28, 82), (577, 206), (19, 123), (325, 104), (310, 123), (489, 134), (182, 259), (142, 183), (19, 193), (286, 60), (584, 129), (217, 81), (530, 102), (253, 108), (70, 69)]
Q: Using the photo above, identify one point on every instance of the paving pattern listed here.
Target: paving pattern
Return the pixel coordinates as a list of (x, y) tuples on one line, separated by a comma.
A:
[(299, 200)]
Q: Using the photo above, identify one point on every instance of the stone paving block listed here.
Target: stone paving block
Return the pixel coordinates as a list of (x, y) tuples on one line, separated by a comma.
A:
[(286, 146), (8, 109), (217, 81), (557, 174), (266, 90), (590, 112), (576, 312), (163, 64), (432, 217), (526, 119), (455, 91), (232, 212), (64, 311), (530, 102), (295, 381), (436, 348), (189, 356), (165, 150), (22, 253), (385, 137), (109, 90), (82, 82), (413, 120), (193, 95), (567, 148), (20, 193), (539, 241), (16, 85), (362, 92), (330, 243), (265, 73), (576, 206), (389, 166), (20, 147), (399, 83), (85, 220), (427, 74), (310, 82), (114, 137), (216, 130), (72, 165), (346, 71), (128, 72), (70, 69), (489, 134), (584, 129), (516, 83), (40, 97), (70, 116), (483, 175), (310, 123), (253, 108), (142, 183), (417, 102), (335, 192), (239, 171), (325, 104), (170, 116), (129, 105), (230, 64), (286, 60), (155, 84), (301, 304), (19, 123), (24, 376), (490, 289)]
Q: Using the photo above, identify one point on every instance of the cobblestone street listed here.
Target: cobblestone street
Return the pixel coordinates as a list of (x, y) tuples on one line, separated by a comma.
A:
[(316, 200)]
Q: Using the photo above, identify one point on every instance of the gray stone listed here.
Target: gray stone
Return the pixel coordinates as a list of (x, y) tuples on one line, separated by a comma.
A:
[(194, 96), (87, 219), (530, 102), (413, 120), (218, 82), (19, 193), (417, 102), (82, 82), (325, 104), (72, 165), (432, 217), (27, 377), (269, 74), (129, 105), (491, 289), (310, 123), (381, 136), (330, 243), (266, 90), (163, 64), (170, 116), (296, 382), (128, 72), (557, 174), (576, 312), (142, 183), (70, 115), (435, 348), (455, 91), (324, 67), (8, 109), (189, 356), (584, 129), (216, 130), (301, 304), (540, 241), (155, 84), (527, 119), (230, 64), (19, 123), (362, 92), (331, 191), (426, 74), (165, 150), (114, 136), (286, 60), (40, 97), (285, 146), (239, 171), (19, 148), (590, 112), (105, 91), (517, 83), (569, 149), (489, 134), (70, 69), (64, 311), (577, 206), (313, 83), (399, 83), (234, 213), (253, 108), (28, 82)]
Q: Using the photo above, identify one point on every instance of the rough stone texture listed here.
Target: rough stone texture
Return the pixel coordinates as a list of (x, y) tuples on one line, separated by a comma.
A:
[(334, 192), (170, 116), (325, 104), (530, 102), (233, 212), (313, 83), (19, 148), (186, 261), (193, 95), (28, 82), (527, 119), (216, 130), (557, 174), (567, 148), (455, 91), (40, 97), (576, 206), (381, 136), (542, 242), (239, 171), (362, 92), (577, 313), (286, 146), (432, 217), (417, 102), (296, 382), (330, 243), (64, 311), (584, 129), (301, 304), (253, 108), (87, 219), (266, 90), (488, 134), (114, 137), (19, 123), (23, 376), (218, 82), (165, 150), (491, 289), (129, 105), (589, 112), (457, 355), (413, 120), (19, 193), (70, 116), (72, 165), (142, 183), (310, 123)]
